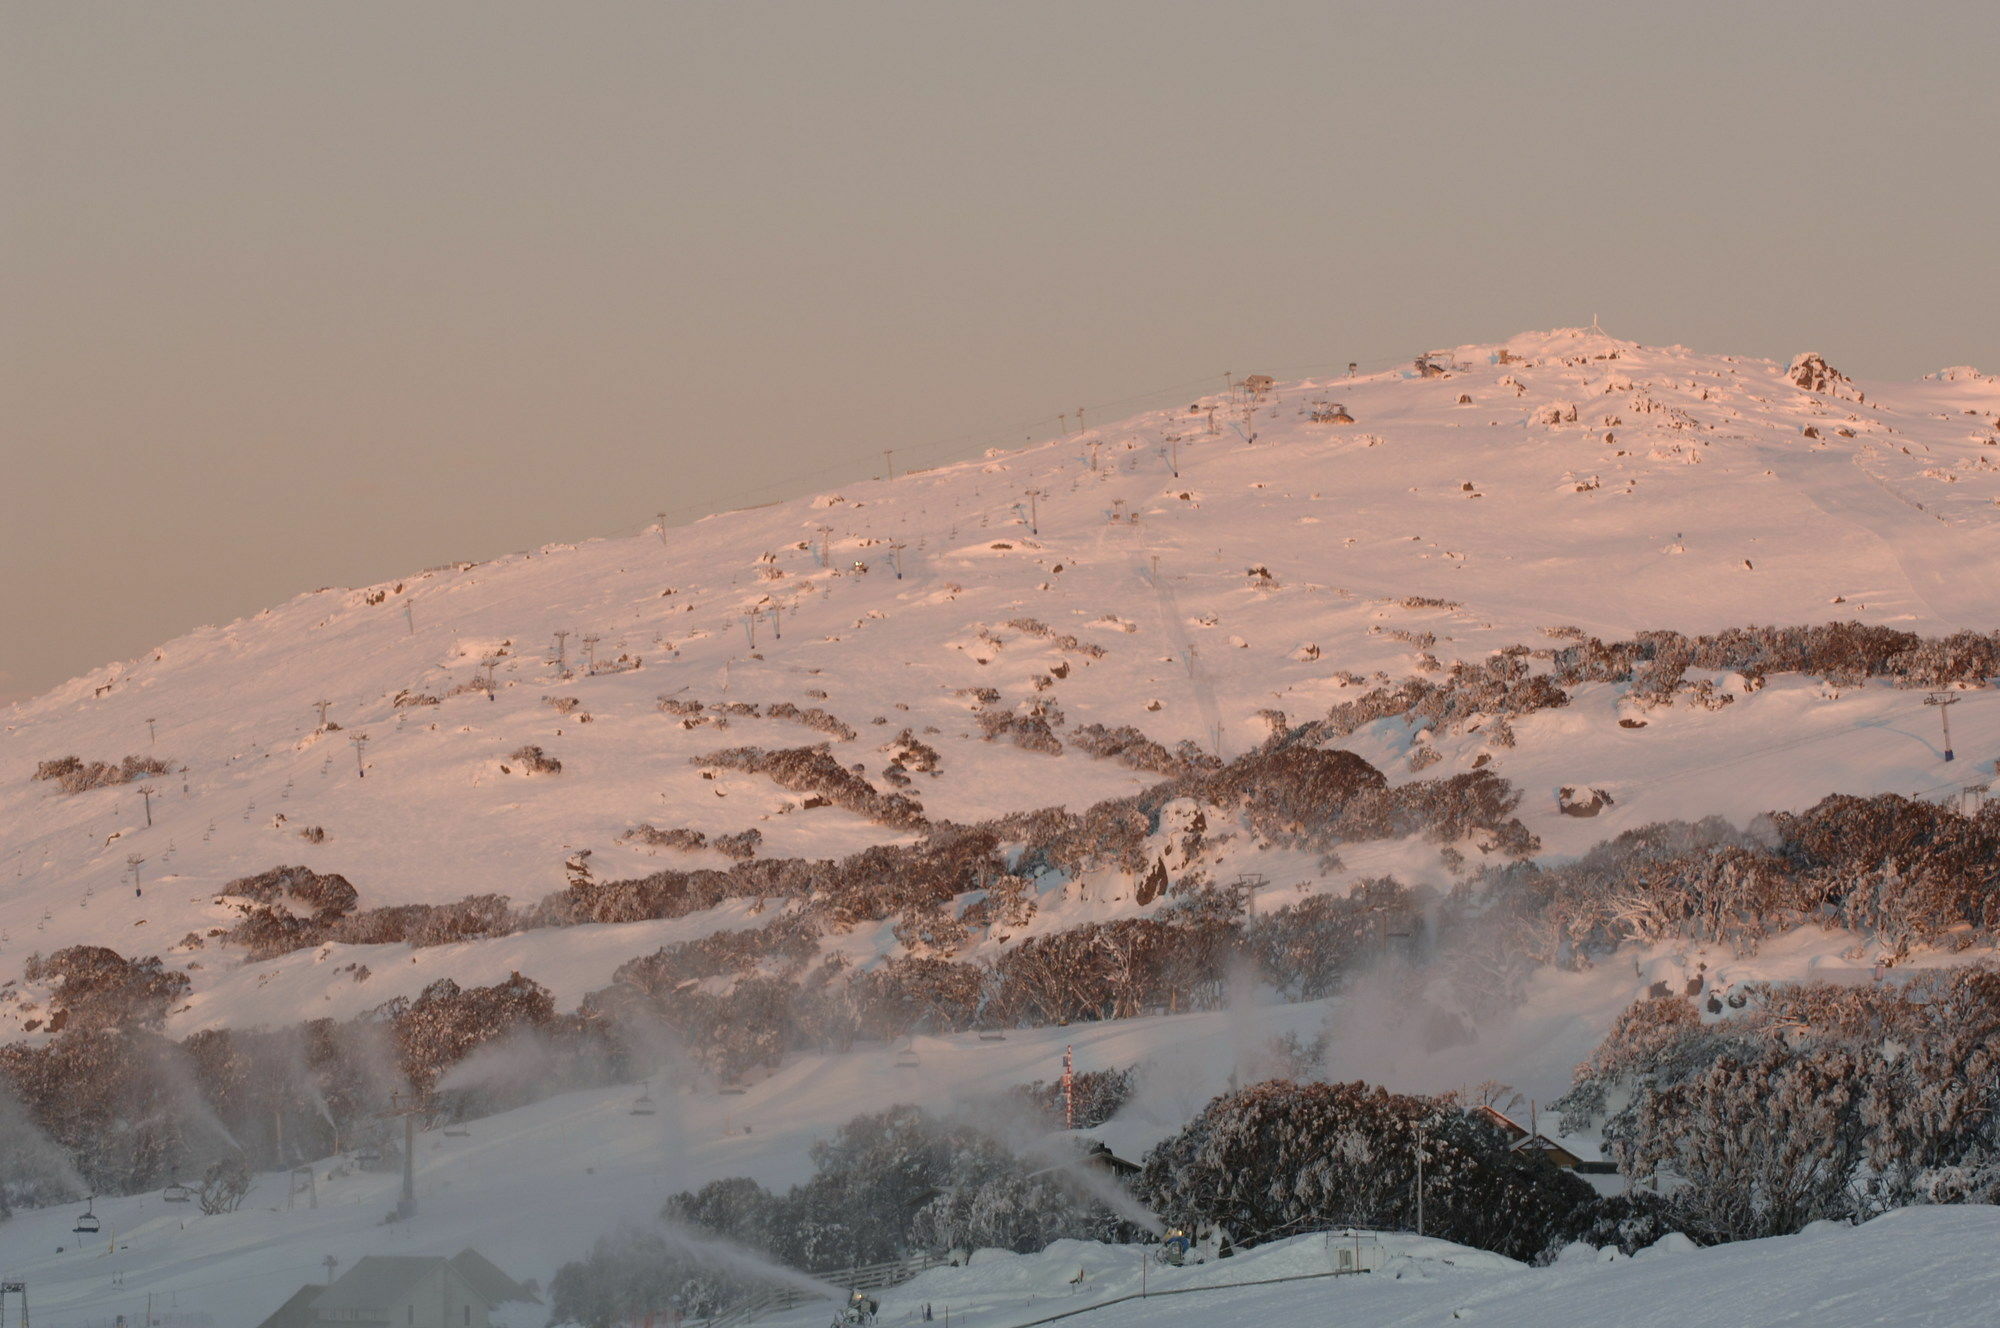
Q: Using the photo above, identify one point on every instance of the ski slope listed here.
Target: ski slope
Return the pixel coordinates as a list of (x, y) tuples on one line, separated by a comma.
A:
[(1468, 526), (1588, 482)]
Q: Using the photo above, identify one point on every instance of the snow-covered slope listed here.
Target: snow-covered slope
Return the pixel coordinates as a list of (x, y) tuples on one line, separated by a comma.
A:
[(1181, 572), (1209, 566)]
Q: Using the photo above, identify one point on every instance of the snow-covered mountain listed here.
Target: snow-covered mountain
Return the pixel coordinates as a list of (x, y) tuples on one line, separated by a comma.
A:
[(1184, 572), (1402, 565)]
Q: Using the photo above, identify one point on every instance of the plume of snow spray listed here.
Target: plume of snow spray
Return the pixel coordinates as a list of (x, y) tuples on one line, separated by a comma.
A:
[(1080, 1175), (32, 1165), (728, 1256)]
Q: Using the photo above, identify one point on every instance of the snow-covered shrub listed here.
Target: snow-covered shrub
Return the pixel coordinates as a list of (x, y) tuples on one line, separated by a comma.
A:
[(1031, 727), (98, 988), (673, 837), (742, 844), (271, 926), (814, 770), (446, 1022), (74, 775), (1271, 1158), (1129, 747), (534, 761)]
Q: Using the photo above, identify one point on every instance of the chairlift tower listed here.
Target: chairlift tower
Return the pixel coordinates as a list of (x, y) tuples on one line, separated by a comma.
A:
[(1944, 701), (406, 1202), (322, 707), (14, 1289), (360, 741)]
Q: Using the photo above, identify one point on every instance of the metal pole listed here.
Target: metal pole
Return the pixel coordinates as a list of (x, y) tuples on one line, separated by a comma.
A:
[(1420, 1180), (407, 1205)]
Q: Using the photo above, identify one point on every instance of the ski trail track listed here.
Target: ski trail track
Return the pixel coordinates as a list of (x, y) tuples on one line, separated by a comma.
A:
[(1944, 565)]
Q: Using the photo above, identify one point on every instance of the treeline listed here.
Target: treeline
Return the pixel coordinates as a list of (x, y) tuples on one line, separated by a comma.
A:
[(1814, 1102), (1293, 795), (1901, 871), (887, 1185), (1256, 1165), (134, 1110), (1653, 668)]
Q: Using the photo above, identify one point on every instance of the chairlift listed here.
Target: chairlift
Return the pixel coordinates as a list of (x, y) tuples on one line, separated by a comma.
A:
[(86, 1222), (732, 1090), (177, 1193), (906, 1059), (645, 1106), (368, 1157), (457, 1132)]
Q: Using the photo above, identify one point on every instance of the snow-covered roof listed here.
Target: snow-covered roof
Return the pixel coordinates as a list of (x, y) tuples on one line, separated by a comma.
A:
[(379, 1281)]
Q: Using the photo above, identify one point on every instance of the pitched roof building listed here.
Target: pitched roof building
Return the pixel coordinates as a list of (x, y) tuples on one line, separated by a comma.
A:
[(401, 1291)]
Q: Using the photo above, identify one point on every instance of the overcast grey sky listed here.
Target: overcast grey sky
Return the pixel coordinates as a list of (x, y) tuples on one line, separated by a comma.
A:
[(310, 294)]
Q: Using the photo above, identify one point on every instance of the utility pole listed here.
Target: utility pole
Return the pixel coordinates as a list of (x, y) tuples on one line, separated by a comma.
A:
[(889, 461), (322, 707), (410, 617), (147, 794), (1944, 702), (360, 740), (1174, 454)]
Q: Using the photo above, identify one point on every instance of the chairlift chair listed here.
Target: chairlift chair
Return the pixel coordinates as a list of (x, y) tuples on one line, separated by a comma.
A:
[(368, 1157), (86, 1222), (457, 1132), (906, 1059), (993, 1035), (177, 1193), (732, 1090), (644, 1106)]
